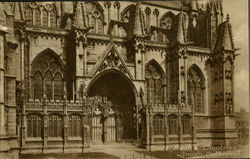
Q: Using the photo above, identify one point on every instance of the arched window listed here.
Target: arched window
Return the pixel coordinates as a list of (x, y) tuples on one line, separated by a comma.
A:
[(196, 89), (37, 17), (45, 18), (75, 126), (92, 24), (95, 16), (99, 26), (166, 23), (158, 123), (172, 125), (154, 83), (166, 20), (34, 123), (186, 124), (29, 16), (48, 72), (125, 14), (55, 126), (52, 19), (147, 12)]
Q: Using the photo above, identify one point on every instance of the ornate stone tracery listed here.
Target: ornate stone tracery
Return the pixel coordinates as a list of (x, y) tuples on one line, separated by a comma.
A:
[(196, 89), (47, 71), (154, 82), (95, 17)]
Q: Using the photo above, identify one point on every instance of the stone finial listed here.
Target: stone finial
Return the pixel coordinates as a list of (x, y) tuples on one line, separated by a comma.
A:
[(65, 94)]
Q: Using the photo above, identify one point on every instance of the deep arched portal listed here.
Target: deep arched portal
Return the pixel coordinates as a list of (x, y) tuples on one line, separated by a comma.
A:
[(121, 126)]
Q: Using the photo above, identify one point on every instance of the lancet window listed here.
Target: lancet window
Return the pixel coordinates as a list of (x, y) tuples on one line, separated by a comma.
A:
[(158, 123), (55, 126), (34, 123), (186, 124), (74, 125), (172, 125), (196, 89)]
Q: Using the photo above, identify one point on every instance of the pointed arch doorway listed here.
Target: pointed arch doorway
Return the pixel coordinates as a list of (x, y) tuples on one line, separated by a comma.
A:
[(121, 125)]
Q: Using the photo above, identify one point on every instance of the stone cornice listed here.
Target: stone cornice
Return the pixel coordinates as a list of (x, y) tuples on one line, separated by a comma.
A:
[(199, 49), (57, 33)]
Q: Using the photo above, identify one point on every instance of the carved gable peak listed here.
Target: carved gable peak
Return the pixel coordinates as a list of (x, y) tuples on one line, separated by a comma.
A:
[(111, 59)]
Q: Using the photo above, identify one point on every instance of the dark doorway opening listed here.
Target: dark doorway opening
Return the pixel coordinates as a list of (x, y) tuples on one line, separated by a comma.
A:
[(119, 90)]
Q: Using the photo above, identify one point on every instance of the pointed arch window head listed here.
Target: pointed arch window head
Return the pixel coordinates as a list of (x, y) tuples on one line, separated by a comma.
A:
[(45, 18), (125, 14), (52, 19), (37, 17), (196, 89), (166, 23), (154, 82), (29, 16), (95, 17), (48, 71)]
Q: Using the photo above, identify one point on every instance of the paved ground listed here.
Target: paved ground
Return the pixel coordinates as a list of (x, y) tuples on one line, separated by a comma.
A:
[(125, 151), (115, 151)]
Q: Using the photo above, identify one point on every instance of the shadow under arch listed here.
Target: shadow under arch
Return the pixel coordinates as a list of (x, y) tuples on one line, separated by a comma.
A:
[(120, 90), (95, 78)]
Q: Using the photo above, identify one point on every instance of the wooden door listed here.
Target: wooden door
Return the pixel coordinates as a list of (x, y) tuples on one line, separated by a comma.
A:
[(97, 129), (111, 129)]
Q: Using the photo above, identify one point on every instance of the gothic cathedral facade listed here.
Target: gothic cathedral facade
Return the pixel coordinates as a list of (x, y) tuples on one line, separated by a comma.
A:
[(156, 74)]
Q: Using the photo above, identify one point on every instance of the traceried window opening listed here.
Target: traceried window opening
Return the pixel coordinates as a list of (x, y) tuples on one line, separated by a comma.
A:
[(158, 123), (95, 17), (166, 23), (37, 17), (154, 84), (99, 26), (48, 72), (172, 125), (75, 129), (29, 16), (125, 16), (55, 126), (45, 18), (52, 19), (34, 122), (196, 89), (186, 125)]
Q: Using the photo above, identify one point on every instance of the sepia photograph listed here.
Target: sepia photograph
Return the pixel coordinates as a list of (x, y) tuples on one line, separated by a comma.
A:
[(124, 79)]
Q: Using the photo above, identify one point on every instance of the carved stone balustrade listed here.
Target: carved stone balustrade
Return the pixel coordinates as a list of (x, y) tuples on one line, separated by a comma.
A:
[(34, 105)]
